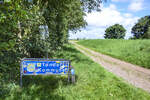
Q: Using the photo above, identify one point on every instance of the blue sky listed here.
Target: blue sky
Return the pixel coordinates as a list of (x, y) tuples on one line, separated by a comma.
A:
[(124, 12)]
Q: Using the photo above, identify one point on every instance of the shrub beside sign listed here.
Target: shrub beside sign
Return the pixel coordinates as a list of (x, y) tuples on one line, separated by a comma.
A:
[(40, 66)]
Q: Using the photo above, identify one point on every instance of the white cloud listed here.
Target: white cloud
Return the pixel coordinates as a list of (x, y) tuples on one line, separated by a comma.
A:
[(136, 5), (119, 0), (128, 15), (88, 34), (108, 16), (99, 21)]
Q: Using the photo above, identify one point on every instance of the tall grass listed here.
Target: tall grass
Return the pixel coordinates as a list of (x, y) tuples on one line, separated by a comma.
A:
[(93, 82), (133, 51)]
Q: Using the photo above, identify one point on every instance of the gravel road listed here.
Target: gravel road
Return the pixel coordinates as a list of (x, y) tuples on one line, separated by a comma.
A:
[(136, 75)]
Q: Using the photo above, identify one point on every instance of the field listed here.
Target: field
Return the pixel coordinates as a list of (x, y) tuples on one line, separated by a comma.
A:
[(93, 82), (133, 51)]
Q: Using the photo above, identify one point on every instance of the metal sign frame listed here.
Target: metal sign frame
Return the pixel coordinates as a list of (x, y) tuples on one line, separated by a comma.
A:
[(70, 71)]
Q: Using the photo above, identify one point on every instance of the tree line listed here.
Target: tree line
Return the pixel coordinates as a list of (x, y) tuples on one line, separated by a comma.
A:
[(141, 30)]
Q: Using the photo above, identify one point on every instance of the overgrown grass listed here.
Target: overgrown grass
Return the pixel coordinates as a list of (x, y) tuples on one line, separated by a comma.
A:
[(92, 83), (133, 51)]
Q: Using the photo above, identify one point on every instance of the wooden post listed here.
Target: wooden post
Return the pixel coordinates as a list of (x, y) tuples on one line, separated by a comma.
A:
[(21, 74)]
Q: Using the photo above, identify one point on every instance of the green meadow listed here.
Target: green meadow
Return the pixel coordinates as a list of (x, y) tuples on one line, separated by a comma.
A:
[(93, 82), (133, 51)]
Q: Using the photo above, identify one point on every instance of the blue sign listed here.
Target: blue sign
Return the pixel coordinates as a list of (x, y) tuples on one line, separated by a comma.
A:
[(44, 67)]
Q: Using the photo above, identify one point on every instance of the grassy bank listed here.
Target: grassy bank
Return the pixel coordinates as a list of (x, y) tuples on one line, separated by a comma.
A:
[(93, 83), (133, 51)]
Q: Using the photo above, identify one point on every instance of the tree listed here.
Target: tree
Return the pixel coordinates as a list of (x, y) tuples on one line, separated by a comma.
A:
[(20, 35), (63, 16), (115, 32), (141, 30)]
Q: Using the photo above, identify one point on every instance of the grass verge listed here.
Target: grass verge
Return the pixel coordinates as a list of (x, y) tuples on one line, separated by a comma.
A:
[(92, 83), (133, 51)]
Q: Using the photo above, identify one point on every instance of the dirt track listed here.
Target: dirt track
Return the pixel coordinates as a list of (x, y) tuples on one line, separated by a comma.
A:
[(136, 75)]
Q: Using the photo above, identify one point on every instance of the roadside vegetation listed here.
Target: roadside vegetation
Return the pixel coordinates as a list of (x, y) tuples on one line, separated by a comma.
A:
[(93, 82), (133, 51), (36, 29)]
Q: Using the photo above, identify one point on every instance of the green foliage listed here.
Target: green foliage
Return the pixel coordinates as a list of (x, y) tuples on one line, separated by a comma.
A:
[(133, 51), (34, 46), (141, 30), (89, 5), (115, 32), (61, 17), (14, 27), (10, 13)]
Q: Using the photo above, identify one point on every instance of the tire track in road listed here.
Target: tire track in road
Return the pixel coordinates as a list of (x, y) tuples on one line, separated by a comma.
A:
[(136, 75)]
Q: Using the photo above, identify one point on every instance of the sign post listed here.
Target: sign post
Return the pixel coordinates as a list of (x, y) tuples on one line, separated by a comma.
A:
[(41, 66)]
